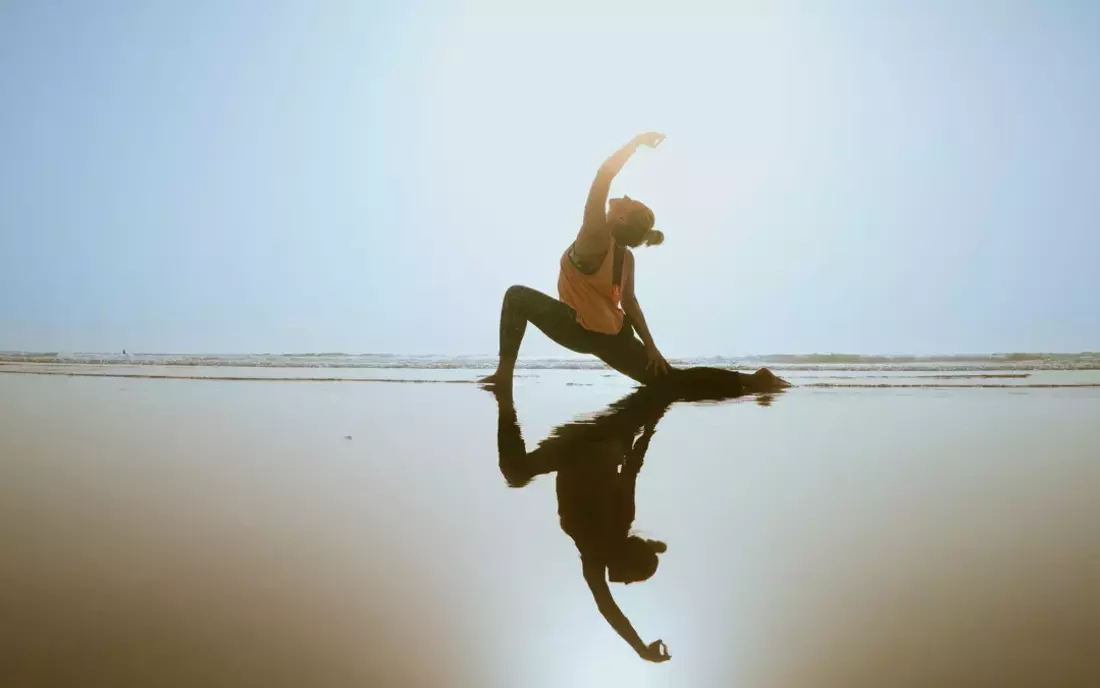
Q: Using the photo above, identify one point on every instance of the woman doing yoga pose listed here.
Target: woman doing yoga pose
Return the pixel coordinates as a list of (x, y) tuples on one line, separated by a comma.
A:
[(598, 312)]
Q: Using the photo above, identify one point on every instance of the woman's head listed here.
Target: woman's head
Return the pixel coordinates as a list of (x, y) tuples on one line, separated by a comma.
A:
[(632, 223), (636, 561)]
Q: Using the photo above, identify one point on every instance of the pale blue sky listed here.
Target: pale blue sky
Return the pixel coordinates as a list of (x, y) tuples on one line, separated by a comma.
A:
[(366, 177)]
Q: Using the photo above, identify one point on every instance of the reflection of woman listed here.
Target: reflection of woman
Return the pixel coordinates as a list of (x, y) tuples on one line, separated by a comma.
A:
[(597, 464)]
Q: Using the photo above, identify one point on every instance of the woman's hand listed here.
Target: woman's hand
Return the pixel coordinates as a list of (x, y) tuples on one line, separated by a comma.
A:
[(657, 362), (656, 651), (651, 139)]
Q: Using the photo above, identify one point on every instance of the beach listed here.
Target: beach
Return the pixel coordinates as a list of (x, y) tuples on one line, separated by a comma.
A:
[(874, 525)]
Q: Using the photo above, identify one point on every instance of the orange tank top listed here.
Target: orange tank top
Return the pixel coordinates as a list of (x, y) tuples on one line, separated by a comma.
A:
[(594, 297)]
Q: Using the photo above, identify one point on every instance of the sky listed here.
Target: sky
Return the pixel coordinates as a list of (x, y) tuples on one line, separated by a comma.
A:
[(231, 176)]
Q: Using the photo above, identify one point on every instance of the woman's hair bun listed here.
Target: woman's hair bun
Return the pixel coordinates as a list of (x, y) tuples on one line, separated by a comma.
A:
[(654, 237)]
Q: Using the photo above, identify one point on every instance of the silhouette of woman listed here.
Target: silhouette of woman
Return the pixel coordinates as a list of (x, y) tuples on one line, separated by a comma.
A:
[(597, 311), (597, 463)]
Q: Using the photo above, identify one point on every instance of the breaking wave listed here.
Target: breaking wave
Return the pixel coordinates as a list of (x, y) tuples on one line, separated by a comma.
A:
[(791, 362)]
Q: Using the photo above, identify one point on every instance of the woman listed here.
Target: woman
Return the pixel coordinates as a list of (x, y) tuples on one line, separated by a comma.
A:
[(598, 312), (597, 463)]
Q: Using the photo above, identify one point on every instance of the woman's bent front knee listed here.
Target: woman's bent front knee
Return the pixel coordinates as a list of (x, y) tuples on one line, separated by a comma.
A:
[(517, 293)]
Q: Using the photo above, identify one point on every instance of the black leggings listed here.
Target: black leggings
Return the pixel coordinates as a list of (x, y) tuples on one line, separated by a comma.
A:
[(623, 351)]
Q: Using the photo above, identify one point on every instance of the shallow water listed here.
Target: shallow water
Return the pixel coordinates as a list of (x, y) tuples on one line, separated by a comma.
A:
[(239, 533), (585, 373)]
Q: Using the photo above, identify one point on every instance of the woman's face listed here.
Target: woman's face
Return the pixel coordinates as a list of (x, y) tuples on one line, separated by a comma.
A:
[(618, 211)]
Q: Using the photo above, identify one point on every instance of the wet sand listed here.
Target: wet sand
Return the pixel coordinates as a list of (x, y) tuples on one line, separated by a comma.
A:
[(230, 533)]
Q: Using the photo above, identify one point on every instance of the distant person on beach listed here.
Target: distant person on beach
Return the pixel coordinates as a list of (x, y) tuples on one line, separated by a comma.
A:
[(597, 463), (598, 312)]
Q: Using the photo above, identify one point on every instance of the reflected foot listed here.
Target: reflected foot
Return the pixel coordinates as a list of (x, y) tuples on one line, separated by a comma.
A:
[(500, 386)]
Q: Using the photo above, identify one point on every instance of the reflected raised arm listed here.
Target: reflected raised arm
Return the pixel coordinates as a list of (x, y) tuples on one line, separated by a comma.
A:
[(656, 651)]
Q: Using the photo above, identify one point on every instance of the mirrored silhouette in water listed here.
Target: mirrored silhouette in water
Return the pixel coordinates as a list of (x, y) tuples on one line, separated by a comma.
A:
[(597, 461)]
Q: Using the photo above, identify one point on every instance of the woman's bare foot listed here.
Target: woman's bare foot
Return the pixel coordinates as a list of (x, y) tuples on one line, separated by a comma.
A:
[(502, 378), (497, 382), (765, 380), (493, 380)]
